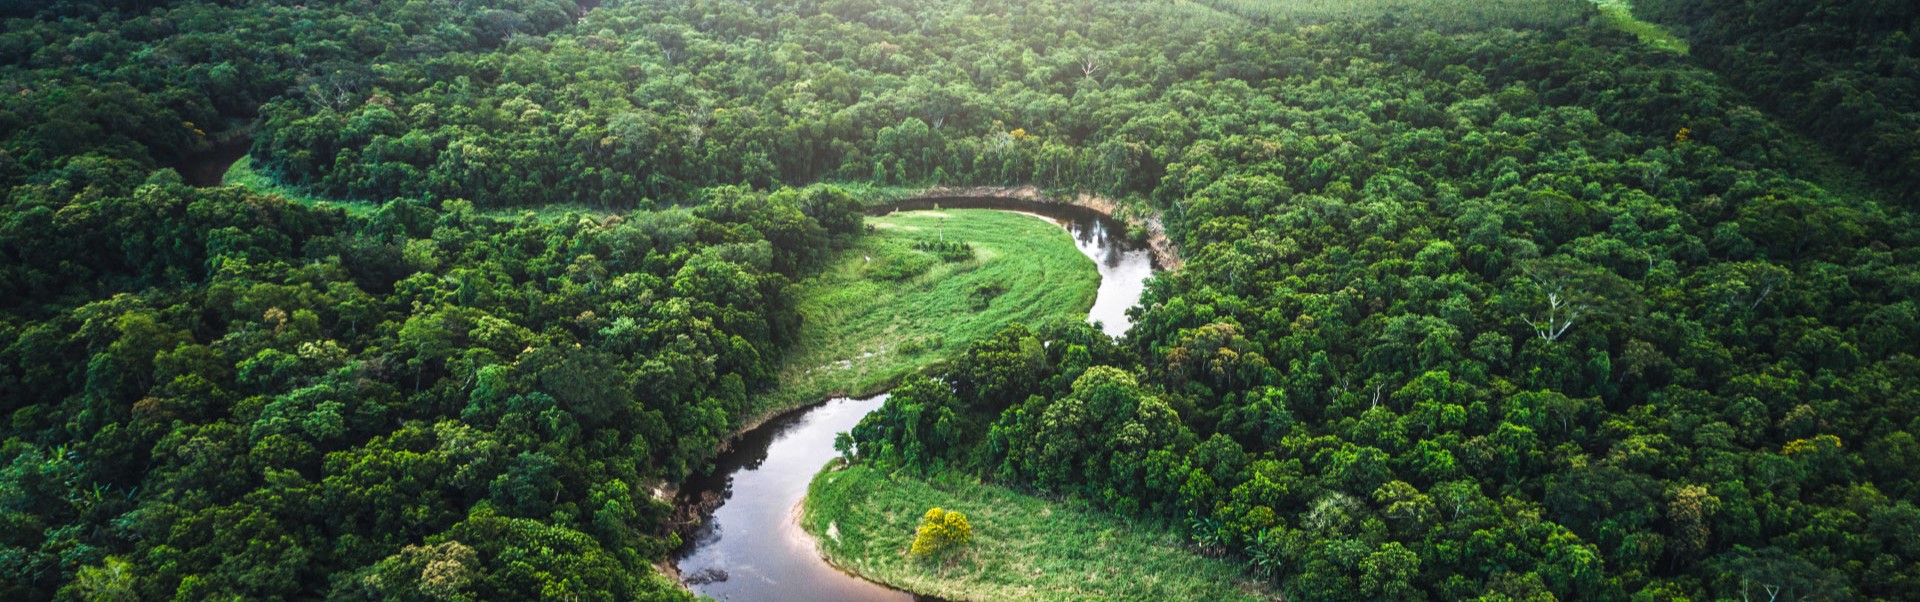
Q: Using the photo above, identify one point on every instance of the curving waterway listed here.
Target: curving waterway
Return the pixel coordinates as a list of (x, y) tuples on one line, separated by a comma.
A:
[(752, 547)]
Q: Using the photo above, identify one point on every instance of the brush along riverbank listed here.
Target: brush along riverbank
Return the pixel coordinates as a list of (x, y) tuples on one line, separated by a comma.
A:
[(1023, 547)]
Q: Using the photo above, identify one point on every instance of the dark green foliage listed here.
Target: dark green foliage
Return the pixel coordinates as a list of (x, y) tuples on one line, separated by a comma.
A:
[(985, 292), (1463, 319), (482, 413), (1495, 305), (644, 101), (1846, 74), (154, 82)]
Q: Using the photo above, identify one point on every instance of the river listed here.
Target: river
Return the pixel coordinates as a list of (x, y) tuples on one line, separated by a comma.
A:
[(752, 547)]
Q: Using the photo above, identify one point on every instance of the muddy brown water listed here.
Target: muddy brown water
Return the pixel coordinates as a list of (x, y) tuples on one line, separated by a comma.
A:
[(752, 547)]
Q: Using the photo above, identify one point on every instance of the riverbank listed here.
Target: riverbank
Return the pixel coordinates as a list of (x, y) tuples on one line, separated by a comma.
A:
[(885, 309), (1024, 547), (209, 166), (752, 547), (1145, 224), (862, 331)]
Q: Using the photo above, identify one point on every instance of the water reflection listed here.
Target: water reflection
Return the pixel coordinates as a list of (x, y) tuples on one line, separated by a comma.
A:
[(1124, 268), (1123, 263), (753, 548)]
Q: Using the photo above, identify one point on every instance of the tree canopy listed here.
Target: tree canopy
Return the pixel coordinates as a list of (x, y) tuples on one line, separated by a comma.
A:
[(1482, 300)]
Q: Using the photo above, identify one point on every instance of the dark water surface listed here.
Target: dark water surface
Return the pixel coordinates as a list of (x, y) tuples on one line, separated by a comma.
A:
[(752, 548), (753, 544), (209, 167), (1124, 268)]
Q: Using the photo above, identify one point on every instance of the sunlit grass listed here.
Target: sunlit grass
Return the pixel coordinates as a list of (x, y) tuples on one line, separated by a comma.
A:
[(862, 331), (1619, 13), (242, 173), (1024, 547)]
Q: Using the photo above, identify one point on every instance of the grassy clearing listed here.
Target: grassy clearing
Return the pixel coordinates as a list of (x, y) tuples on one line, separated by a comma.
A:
[(884, 309), (1619, 13), (242, 173), (1024, 548)]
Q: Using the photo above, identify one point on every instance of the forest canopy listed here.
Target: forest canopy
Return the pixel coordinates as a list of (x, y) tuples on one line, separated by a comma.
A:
[(1481, 301), (1847, 74)]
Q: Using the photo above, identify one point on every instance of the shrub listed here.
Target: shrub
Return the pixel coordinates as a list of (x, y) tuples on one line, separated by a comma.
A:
[(946, 250), (941, 531), (916, 345)]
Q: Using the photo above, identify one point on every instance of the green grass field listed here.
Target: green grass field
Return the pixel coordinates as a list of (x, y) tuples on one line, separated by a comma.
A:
[(883, 309), (243, 173), (1024, 547), (1619, 13)]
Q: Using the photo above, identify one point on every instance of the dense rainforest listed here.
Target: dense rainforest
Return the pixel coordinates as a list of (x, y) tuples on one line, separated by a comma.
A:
[(1481, 301), (1845, 73), (1516, 314)]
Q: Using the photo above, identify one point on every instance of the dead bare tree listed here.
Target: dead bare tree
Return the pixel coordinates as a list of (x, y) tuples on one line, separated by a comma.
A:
[(1562, 311), (1750, 283), (698, 117), (1090, 64), (1574, 291)]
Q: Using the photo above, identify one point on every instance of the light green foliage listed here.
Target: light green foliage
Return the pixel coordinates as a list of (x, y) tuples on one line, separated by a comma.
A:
[(1439, 14), (940, 532), (242, 173), (1619, 13), (112, 581)]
